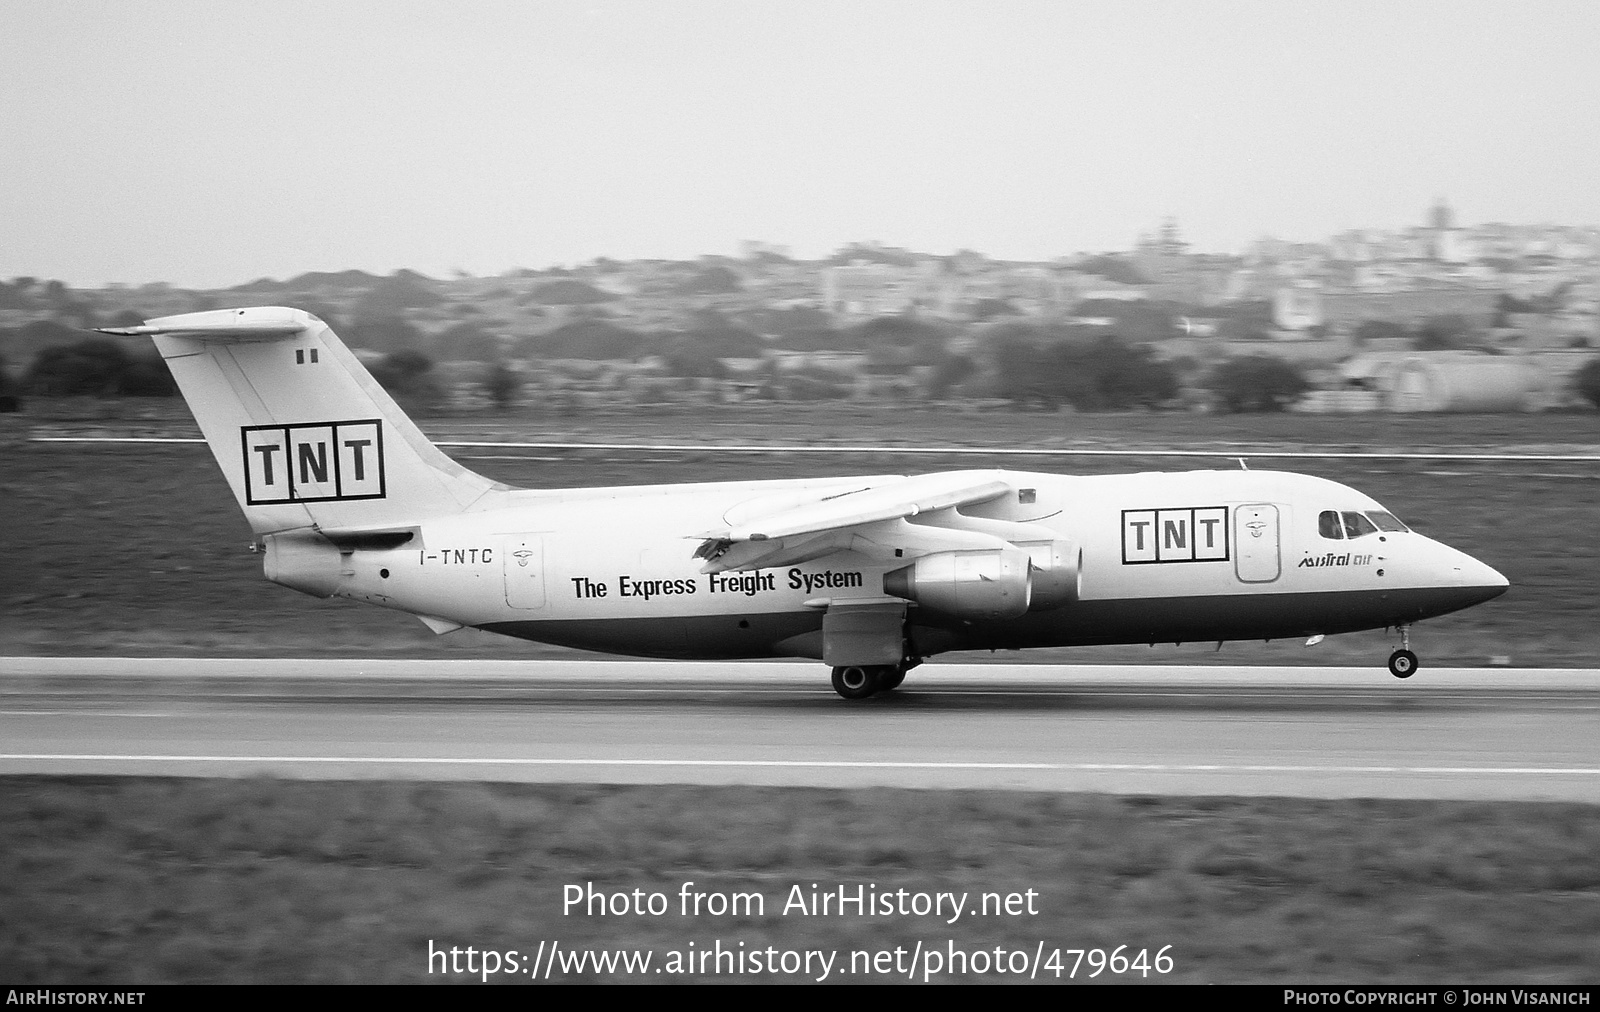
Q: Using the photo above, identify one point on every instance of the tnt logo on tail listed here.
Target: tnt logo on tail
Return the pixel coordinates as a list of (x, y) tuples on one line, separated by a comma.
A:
[(313, 461)]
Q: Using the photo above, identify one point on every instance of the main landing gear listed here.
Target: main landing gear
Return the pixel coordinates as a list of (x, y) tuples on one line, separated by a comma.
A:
[(861, 681), (1403, 663)]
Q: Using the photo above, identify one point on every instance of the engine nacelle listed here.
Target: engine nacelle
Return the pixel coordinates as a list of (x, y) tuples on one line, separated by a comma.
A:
[(1057, 573), (305, 561), (977, 585)]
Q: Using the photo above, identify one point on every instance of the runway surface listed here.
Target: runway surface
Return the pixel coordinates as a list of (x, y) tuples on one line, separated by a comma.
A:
[(1313, 732)]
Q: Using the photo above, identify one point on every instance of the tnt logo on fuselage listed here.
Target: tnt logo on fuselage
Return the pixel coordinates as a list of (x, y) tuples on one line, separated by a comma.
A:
[(313, 462), (1198, 534)]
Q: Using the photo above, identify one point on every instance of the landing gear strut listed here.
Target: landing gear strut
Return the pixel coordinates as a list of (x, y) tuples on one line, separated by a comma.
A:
[(1403, 663)]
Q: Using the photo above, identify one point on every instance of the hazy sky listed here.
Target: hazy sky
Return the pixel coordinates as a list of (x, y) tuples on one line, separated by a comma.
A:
[(215, 142)]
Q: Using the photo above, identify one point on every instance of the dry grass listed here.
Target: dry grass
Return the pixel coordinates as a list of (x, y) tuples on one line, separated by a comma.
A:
[(153, 880)]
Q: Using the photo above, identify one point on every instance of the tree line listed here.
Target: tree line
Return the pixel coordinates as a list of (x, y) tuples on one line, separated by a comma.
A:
[(1031, 366)]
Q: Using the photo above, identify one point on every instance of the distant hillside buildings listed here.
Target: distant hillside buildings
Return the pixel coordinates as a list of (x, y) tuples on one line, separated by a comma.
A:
[(1521, 290)]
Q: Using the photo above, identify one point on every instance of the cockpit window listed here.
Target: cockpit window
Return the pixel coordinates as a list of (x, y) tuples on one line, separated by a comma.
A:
[(1337, 526), (1328, 525), (1356, 525), (1386, 521)]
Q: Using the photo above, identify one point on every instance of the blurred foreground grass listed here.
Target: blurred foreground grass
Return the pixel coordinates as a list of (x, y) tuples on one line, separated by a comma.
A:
[(124, 881)]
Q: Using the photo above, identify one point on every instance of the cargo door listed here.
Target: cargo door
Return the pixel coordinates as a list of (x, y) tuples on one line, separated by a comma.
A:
[(1255, 536)]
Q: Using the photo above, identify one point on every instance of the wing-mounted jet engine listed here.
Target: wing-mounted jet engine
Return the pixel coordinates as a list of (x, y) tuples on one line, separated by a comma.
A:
[(958, 565)]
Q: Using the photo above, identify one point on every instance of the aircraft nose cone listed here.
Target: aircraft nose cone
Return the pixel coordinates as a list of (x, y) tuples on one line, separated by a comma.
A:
[(1498, 583), (1485, 582)]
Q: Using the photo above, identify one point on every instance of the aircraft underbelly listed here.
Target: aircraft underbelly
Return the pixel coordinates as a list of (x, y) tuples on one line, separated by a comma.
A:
[(1252, 616), (686, 637), (1085, 623)]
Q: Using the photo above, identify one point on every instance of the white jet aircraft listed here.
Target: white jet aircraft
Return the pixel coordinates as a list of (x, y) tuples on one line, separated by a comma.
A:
[(868, 574)]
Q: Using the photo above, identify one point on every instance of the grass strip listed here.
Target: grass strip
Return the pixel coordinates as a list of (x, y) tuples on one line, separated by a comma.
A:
[(152, 880)]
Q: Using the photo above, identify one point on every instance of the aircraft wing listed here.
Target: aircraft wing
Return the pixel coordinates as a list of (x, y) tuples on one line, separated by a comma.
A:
[(874, 519)]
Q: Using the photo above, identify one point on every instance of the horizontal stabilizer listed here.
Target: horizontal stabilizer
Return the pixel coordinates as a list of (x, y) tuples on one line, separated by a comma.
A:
[(258, 324)]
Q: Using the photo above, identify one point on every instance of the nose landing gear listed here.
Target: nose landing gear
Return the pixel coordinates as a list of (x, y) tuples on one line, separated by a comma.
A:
[(1403, 663)]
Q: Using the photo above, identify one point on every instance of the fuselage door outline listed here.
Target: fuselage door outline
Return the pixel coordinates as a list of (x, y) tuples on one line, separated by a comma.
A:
[(1257, 557), (522, 561)]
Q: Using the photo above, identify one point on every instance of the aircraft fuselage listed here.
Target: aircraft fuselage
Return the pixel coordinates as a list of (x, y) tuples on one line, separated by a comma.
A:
[(1165, 557)]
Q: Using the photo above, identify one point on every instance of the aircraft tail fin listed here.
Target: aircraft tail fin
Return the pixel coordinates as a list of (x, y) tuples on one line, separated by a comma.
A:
[(301, 430)]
